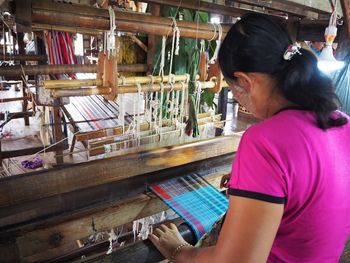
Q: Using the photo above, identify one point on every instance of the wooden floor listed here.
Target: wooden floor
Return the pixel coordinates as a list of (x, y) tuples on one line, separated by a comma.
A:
[(20, 136)]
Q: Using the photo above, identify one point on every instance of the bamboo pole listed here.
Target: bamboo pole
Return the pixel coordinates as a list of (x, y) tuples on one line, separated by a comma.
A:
[(81, 92), (64, 84), (61, 69), (155, 87)]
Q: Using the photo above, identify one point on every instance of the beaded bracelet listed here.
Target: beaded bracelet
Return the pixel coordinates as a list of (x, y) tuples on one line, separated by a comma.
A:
[(177, 250)]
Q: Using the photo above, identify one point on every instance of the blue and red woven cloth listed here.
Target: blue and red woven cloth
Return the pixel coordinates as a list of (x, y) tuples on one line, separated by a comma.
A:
[(195, 200)]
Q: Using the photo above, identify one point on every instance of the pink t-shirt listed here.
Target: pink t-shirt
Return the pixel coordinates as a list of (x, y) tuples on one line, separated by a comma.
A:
[(288, 159)]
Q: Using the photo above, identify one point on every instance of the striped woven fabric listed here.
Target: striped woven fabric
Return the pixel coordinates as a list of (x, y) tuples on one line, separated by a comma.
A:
[(194, 199)]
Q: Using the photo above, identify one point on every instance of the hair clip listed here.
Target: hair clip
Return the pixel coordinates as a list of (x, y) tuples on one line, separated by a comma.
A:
[(291, 51)]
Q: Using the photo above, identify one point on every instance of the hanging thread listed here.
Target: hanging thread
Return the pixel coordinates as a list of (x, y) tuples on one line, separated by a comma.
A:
[(218, 44)]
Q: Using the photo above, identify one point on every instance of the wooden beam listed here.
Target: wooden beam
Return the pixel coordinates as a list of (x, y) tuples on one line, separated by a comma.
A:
[(234, 10), (137, 41), (23, 15), (346, 13), (15, 115), (3, 100), (32, 186), (202, 6), (283, 6), (83, 224), (152, 41), (302, 6), (16, 57), (311, 31), (29, 151), (27, 216), (39, 27), (59, 14)]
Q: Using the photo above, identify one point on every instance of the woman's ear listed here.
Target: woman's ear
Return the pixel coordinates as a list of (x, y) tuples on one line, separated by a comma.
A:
[(244, 80)]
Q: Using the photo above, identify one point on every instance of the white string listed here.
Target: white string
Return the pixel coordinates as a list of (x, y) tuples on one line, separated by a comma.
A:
[(215, 32), (171, 102), (138, 114), (176, 109), (182, 107), (111, 34), (162, 60), (159, 57), (134, 118), (160, 124), (335, 15), (151, 102), (202, 49), (198, 97), (218, 44)]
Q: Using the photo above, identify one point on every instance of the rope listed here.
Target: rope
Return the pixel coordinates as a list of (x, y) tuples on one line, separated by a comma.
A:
[(176, 36), (202, 46), (109, 44), (176, 12), (218, 44), (215, 32), (138, 123), (160, 124), (162, 61), (198, 95), (182, 106)]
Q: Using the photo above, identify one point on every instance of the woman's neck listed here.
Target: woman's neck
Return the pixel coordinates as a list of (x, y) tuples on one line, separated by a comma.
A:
[(277, 104)]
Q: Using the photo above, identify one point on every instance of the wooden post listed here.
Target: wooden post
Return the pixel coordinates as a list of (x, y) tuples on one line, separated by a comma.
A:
[(223, 95), (152, 40), (21, 50), (23, 15), (0, 155), (292, 27), (57, 131)]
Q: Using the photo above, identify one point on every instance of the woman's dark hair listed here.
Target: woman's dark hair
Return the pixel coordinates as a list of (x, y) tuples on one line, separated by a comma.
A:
[(257, 43)]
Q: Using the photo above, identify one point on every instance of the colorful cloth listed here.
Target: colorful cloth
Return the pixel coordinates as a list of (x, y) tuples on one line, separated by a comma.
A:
[(288, 159), (35, 163), (195, 200)]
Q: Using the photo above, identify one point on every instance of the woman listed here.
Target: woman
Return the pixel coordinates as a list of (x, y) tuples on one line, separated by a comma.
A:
[(289, 190)]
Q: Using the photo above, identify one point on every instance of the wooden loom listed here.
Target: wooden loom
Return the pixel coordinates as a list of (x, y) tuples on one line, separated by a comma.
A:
[(109, 85), (49, 215)]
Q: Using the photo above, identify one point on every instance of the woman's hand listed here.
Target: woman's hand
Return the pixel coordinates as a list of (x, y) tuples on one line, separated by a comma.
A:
[(167, 239)]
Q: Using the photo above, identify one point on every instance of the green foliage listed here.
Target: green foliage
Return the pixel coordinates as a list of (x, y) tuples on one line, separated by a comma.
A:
[(186, 62)]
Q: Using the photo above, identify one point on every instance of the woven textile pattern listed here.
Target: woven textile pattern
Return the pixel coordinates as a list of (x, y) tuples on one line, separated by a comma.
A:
[(194, 199)]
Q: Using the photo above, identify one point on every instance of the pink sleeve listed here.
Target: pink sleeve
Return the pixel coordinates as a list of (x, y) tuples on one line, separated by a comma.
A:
[(255, 172)]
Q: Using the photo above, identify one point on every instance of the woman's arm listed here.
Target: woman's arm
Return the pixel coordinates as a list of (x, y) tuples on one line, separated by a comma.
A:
[(246, 236)]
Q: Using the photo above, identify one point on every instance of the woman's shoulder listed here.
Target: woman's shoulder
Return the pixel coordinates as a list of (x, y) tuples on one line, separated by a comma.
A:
[(290, 125)]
